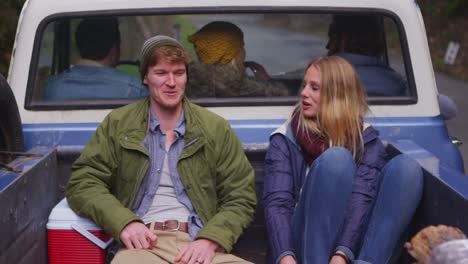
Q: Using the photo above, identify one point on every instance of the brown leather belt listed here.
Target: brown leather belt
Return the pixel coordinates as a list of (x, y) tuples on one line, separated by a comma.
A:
[(169, 225)]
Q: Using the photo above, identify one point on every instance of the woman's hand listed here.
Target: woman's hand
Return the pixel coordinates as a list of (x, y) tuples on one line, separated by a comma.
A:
[(337, 260), (258, 70), (288, 260)]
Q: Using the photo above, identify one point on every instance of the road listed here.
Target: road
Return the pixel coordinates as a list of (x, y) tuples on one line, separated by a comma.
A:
[(458, 126)]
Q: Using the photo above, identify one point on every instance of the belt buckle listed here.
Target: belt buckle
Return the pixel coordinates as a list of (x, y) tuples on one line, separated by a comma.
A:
[(173, 229)]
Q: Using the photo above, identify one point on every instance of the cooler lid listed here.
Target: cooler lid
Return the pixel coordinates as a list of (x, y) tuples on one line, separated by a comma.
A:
[(62, 217)]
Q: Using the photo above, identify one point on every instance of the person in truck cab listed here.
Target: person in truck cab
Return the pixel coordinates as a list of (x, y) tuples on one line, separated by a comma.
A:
[(221, 69), (360, 40), (94, 75), (168, 179), (330, 196)]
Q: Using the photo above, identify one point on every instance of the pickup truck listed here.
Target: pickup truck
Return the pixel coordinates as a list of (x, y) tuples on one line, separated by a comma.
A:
[(40, 137)]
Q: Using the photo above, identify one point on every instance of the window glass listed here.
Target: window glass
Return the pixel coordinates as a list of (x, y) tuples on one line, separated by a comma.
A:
[(253, 59), (394, 50), (44, 63)]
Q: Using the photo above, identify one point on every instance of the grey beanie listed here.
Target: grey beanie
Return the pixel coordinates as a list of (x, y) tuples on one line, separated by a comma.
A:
[(152, 44)]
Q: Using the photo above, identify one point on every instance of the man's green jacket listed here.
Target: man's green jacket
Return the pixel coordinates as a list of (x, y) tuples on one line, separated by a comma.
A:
[(216, 174)]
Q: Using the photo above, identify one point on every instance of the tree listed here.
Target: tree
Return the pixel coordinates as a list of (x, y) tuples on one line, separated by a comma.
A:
[(9, 14), (457, 7)]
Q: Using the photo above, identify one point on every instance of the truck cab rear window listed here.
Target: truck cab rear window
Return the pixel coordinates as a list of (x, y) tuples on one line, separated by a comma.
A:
[(238, 59)]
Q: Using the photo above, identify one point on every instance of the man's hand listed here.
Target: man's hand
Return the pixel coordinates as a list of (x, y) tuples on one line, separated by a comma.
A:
[(198, 252), (137, 236), (287, 260)]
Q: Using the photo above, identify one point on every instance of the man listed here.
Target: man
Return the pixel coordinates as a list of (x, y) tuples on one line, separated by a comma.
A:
[(94, 75), (166, 178), (360, 40)]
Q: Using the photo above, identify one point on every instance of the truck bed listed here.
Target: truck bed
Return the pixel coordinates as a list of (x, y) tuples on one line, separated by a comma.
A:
[(27, 200)]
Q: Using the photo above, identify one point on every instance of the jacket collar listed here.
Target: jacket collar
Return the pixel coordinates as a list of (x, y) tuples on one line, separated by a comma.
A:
[(194, 136), (361, 60), (191, 120), (186, 116), (154, 124), (192, 124), (285, 130), (369, 134)]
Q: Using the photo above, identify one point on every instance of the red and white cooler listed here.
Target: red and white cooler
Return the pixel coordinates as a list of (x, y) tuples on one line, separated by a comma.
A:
[(73, 239)]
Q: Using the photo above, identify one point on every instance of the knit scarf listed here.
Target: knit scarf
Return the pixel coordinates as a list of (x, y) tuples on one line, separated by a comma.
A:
[(311, 144)]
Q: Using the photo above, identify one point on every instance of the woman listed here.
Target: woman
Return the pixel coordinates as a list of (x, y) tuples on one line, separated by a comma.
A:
[(220, 71), (330, 195)]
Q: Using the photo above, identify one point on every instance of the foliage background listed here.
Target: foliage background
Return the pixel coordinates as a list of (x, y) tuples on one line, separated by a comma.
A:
[(9, 13), (446, 20)]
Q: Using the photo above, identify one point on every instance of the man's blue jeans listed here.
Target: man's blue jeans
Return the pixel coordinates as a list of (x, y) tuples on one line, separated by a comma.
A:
[(319, 213)]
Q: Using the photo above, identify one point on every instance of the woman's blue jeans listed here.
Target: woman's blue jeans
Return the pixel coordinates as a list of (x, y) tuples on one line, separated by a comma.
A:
[(319, 213)]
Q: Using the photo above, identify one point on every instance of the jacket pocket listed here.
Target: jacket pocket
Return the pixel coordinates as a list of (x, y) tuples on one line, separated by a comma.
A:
[(132, 158), (132, 170), (199, 180)]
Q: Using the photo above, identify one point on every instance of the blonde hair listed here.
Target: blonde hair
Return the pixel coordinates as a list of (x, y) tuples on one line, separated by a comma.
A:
[(342, 106)]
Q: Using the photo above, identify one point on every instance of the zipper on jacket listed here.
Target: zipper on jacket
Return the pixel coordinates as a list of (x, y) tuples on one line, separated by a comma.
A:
[(135, 189), (182, 155), (191, 142)]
